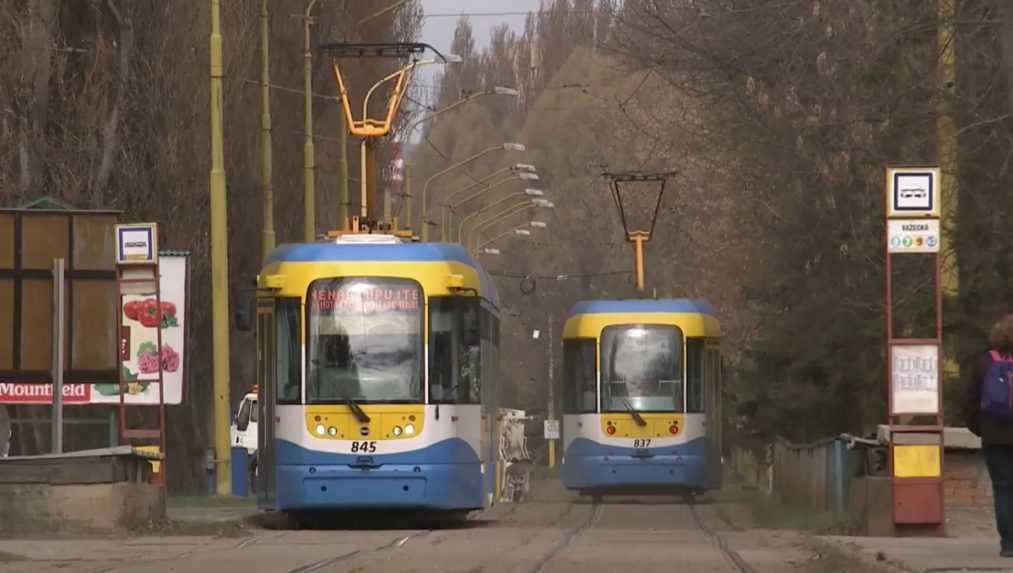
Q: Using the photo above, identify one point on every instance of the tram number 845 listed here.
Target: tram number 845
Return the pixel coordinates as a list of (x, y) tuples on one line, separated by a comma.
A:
[(363, 447)]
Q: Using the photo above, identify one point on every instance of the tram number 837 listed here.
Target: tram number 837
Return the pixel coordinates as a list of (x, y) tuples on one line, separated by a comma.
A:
[(363, 447), (641, 443)]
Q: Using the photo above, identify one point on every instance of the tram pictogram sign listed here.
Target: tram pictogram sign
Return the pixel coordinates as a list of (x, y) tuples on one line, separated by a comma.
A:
[(912, 192)]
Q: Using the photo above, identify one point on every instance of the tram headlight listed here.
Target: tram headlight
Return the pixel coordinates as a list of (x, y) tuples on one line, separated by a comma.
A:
[(332, 431), (397, 430), (409, 429), (321, 430), (611, 430)]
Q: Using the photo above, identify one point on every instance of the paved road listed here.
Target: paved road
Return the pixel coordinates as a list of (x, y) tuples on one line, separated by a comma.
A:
[(558, 534)]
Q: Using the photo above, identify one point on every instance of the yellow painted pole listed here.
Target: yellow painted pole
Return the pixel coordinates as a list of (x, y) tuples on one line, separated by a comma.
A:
[(309, 159), (638, 238), (946, 149), (364, 178), (266, 160), (219, 262), (946, 141)]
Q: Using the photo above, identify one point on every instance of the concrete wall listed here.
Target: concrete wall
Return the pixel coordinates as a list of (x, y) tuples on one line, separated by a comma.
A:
[(31, 508)]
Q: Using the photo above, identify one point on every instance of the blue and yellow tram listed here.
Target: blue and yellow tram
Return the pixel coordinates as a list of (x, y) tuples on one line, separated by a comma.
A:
[(376, 369), (640, 395)]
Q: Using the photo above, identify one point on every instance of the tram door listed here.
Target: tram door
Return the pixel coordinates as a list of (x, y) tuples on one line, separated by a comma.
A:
[(267, 388), (715, 422)]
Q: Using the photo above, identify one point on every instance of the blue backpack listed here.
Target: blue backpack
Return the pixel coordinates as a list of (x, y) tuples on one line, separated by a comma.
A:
[(997, 388)]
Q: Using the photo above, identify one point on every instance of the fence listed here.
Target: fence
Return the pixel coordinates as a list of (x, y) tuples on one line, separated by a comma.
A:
[(816, 476)]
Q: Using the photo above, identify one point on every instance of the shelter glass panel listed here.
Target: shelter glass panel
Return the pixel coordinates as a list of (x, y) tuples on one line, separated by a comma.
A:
[(44, 238), (289, 350), (6, 241), (641, 368), (94, 327), (6, 324), (94, 242), (364, 341), (580, 376), (36, 324)]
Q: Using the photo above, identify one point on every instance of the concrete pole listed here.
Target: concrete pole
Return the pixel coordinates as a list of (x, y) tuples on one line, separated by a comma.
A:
[(309, 160), (407, 195), (59, 333), (552, 394), (219, 260), (266, 160), (343, 201)]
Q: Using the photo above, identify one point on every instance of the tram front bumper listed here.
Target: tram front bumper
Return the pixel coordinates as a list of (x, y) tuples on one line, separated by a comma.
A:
[(431, 486)]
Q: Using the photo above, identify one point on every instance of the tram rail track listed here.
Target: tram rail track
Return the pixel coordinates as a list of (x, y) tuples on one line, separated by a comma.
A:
[(733, 557), (357, 553), (542, 564)]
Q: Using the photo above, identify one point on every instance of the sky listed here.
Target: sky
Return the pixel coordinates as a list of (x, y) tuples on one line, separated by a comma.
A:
[(441, 18)]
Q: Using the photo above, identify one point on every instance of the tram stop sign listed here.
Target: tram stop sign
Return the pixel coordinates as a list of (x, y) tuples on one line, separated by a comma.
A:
[(551, 429)]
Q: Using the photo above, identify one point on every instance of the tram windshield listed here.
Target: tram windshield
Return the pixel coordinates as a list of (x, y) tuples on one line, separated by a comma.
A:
[(364, 341), (641, 368)]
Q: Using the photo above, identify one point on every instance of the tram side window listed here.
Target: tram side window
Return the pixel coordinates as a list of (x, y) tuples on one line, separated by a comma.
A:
[(579, 376), (289, 351), (455, 357), (695, 375)]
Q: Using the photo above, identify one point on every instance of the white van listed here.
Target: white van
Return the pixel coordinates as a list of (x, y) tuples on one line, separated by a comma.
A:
[(243, 432)]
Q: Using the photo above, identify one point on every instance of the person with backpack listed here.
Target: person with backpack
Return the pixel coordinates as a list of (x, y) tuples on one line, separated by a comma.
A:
[(988, 412)]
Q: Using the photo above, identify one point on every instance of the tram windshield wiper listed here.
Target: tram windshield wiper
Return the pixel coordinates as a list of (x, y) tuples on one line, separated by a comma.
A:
[(360, 414), (636, 415)]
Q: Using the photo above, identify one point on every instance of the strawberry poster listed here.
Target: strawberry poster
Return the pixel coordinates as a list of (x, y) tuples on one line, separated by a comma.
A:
[(143, 317)]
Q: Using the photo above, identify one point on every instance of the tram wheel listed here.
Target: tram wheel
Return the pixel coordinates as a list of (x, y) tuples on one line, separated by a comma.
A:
[(596, 498), (689, 497)]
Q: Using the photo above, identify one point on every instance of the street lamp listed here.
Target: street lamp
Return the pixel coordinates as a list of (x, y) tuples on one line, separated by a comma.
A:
[(506, 213), (518, 232), (527, 192), (497, 90), (521, 171), (509, 146)]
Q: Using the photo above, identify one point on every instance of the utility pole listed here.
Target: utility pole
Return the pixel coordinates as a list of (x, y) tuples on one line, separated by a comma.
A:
[(552, 395), (309, 160), (266, 160), (406, 195), (219, 261), (343, 201)]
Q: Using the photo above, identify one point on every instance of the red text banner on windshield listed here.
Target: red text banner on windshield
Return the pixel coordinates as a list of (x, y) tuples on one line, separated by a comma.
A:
[(369, 299)]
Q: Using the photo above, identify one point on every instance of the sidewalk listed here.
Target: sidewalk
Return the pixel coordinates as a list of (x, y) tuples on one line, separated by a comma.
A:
[(972, 546)]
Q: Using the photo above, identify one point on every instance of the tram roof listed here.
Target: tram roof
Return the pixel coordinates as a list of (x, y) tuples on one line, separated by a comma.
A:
[(405, 252), (632, 306), (377, 252)]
